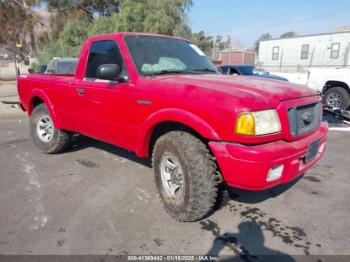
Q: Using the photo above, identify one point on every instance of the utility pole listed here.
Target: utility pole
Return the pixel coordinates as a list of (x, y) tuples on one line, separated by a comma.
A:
[(213, 53), (15, 59), (346, 56), (312, 56), (281, 59), (16, 47)]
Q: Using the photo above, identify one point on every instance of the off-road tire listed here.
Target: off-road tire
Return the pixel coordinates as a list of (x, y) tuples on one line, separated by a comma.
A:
[(61, 139), (340, 91), (200, 174)]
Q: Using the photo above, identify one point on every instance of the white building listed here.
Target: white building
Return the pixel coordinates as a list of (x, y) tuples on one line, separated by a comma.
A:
[(329, 50)]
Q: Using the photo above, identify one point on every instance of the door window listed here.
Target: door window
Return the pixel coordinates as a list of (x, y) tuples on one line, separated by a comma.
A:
[(104, 52)]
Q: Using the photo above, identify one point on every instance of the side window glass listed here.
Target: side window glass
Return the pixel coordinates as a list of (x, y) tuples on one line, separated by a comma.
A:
[(104, 52), (223, 69), (233, 71)]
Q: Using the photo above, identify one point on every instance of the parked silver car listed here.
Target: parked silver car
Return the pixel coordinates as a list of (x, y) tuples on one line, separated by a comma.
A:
[(59, 65)]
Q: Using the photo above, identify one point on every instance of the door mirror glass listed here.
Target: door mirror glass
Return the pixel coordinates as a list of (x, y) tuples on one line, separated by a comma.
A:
[(108, 72)]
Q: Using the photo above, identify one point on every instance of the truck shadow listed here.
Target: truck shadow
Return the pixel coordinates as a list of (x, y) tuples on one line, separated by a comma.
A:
[(226, 193), (81, 142), (335, 120), (245, 244)]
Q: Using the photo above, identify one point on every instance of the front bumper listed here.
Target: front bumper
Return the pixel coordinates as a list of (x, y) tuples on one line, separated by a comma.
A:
[(247, 167)]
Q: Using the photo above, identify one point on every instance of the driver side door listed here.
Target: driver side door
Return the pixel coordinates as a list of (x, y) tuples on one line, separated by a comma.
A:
[(104, 105)]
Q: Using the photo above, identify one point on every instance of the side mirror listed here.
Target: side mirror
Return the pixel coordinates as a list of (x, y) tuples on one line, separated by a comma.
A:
[(108, 72)]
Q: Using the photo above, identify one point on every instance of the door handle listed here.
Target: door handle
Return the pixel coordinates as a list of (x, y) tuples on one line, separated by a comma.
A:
[(81, 91)]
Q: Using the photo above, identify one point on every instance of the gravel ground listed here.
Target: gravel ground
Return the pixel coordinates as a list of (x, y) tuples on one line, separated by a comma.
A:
[(8, 99), (99, 199)]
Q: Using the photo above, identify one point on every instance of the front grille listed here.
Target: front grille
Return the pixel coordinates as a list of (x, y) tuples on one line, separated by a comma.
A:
[(304, 118)]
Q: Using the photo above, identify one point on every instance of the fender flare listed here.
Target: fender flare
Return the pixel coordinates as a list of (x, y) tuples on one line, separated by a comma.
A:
[(43, 96), (333, 80), (171, 115)]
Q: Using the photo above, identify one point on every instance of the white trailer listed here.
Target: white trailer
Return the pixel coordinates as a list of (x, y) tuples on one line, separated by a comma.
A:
[(329, 50)]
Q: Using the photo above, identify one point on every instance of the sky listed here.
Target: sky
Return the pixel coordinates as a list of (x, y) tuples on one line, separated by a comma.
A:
[(246, 20)]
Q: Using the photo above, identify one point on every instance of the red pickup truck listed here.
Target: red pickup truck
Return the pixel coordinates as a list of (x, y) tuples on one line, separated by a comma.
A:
[(161, 97)]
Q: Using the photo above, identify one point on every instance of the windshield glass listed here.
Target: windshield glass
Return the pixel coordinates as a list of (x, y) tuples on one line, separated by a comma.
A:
[(155, 55)]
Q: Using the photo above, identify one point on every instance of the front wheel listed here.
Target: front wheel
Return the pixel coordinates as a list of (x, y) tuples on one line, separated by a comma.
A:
[(337, 97), (185, 175), (48, 138)]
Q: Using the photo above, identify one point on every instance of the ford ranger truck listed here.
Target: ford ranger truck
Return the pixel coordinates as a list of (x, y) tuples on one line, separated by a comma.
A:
[(162, 98)]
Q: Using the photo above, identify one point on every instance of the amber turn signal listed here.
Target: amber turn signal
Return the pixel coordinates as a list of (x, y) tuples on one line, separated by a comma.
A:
[(245, 124)]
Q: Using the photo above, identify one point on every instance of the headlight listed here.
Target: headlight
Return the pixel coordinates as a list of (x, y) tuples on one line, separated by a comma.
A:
[(258, 123)]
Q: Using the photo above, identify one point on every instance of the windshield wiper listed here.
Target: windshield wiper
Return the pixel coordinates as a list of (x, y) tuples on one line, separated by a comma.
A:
[(170, 71), (173, 71)]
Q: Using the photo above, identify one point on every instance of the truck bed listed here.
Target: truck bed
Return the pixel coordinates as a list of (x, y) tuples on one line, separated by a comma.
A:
[(43, 82)]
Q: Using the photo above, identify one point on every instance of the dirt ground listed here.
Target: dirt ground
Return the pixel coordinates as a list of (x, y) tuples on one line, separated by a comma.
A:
[(100, 199)]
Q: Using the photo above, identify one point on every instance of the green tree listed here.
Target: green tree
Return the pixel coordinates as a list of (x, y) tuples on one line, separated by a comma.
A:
[(49, 50), (288, 34), (72, 37), (104, 25), (203, 41), (139, 16), (68, 43), (62, 10), (18, 20), (59, 4), (263, 37), (157, 16), (102, 7), (223, 43)]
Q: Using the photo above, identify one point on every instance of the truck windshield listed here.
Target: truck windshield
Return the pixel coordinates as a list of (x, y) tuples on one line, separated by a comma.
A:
[(154, 55)]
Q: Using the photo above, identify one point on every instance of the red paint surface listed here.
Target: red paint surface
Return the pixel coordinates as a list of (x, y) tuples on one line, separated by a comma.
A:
[(209, 104)]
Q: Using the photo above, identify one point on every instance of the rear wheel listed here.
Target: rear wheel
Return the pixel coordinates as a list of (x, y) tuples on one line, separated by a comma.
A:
[(48, 138), (186, 176), (337, 97)]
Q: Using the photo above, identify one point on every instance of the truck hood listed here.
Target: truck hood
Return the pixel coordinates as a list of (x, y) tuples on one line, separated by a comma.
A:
[(247, 89)]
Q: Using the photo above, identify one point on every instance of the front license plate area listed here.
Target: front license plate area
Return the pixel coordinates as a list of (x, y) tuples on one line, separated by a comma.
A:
[(312, 151)]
